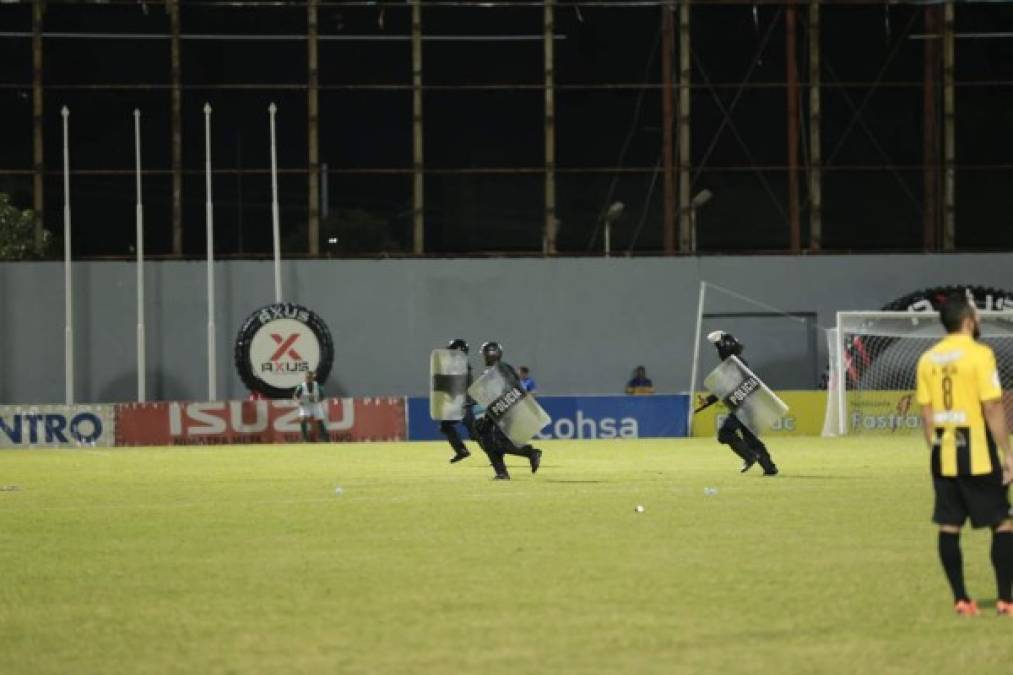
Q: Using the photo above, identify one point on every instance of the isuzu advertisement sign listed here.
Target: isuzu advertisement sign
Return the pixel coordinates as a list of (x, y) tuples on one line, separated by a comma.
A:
[(263, 421)]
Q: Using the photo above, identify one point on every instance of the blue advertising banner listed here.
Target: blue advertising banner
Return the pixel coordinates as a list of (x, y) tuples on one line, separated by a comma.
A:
[(659, 416)]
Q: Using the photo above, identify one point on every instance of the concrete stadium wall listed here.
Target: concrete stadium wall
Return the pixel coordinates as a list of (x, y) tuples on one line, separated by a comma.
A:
[(580, 324)]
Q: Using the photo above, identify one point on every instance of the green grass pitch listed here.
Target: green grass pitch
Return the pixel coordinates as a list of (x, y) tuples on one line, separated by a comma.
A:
[(244, 560)]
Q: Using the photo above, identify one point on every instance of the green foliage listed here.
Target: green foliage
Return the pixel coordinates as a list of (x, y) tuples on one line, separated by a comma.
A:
[(243, 560), (17, 232)]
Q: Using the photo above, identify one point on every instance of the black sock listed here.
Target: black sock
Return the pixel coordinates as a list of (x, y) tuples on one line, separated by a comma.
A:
[(323, 437), (953, 563), (1002, 561), (305, 431)]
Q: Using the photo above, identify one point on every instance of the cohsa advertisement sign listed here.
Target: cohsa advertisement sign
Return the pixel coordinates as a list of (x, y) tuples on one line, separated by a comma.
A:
[(584, 417)]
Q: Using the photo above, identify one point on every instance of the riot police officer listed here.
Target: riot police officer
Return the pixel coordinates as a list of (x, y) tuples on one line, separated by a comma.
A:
[(491, 438), (733, 432), (449, 427)]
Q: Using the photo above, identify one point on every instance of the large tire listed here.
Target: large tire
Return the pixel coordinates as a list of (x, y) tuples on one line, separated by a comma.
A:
[(277, 344)]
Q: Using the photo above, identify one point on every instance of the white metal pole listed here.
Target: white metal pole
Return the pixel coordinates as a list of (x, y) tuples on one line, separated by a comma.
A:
[(696, 357), (842, 380), (275, 218), (141, 356), (209, 218), (68, 336), (608, 238)]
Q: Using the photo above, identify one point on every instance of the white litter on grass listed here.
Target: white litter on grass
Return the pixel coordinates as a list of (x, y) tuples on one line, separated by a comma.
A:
[(338, 490), (710, 491), (9, 488)]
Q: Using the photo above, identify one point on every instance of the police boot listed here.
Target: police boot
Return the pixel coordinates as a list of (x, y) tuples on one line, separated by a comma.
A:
[(460, 451), (500, 467)]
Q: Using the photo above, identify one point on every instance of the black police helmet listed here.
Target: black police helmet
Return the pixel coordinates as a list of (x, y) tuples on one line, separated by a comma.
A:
[(492, 348)]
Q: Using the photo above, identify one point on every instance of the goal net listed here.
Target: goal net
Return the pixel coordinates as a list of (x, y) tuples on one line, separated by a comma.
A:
[(873, 358)]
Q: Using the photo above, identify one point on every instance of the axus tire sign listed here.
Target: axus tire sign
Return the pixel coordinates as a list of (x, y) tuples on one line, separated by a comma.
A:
[(278, 344)]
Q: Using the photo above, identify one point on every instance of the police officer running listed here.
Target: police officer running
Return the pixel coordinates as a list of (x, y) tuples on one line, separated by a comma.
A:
[(733, 432), (491, 438), (449, 427)]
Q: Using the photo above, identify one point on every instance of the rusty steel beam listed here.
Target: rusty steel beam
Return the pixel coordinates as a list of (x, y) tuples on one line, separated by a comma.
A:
[(667, 148), (686, 238), (418, 158), (313, 135), (792, 91), (815, 128), (930, 134), (38, 158), (949, 131), (177, 128), (551, 222)]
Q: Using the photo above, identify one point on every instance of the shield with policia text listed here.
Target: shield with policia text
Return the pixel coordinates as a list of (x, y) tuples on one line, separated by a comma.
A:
[(745, 394), (514, 411), (448, 384)]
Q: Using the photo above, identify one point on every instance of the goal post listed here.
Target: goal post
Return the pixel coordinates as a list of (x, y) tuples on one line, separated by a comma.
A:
[(873, 357)]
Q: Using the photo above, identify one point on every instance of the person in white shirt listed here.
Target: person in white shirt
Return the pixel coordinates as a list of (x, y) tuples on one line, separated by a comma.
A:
[(310, 396)]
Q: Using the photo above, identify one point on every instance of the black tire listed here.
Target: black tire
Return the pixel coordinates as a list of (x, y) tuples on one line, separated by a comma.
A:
[(258, 321)]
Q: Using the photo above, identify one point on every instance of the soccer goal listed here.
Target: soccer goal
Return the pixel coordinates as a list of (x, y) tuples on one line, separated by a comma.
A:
[(873, 358)]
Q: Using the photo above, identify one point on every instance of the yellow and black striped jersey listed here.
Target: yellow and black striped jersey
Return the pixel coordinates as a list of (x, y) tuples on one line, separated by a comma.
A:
[(954, 377)]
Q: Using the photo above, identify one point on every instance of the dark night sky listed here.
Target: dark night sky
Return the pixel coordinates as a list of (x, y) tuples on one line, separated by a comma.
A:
[(370, 129)]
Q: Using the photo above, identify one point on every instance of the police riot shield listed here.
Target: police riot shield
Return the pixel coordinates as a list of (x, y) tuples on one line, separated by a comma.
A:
[(745, 394), (514, 411), (448, 384)]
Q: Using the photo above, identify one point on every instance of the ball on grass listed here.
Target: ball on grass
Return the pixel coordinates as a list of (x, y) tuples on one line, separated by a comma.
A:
[(638, 508)]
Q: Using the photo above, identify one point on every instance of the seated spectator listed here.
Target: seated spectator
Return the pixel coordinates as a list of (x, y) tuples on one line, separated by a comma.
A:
[(640, 384), (526, 380)]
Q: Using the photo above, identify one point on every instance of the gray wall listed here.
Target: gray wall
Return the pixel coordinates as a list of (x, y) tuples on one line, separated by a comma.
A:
[(580, 324)]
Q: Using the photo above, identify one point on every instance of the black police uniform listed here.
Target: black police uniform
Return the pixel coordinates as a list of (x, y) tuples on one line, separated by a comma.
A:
[(733, 432), (491, 438)]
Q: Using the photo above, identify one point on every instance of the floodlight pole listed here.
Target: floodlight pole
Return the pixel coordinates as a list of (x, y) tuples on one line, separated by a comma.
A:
[(141, 356), (209, 218), (275, 216), (696, 357), (68, 305)]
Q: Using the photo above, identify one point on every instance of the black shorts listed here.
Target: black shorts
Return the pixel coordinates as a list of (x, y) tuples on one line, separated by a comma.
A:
[(983, 499)]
